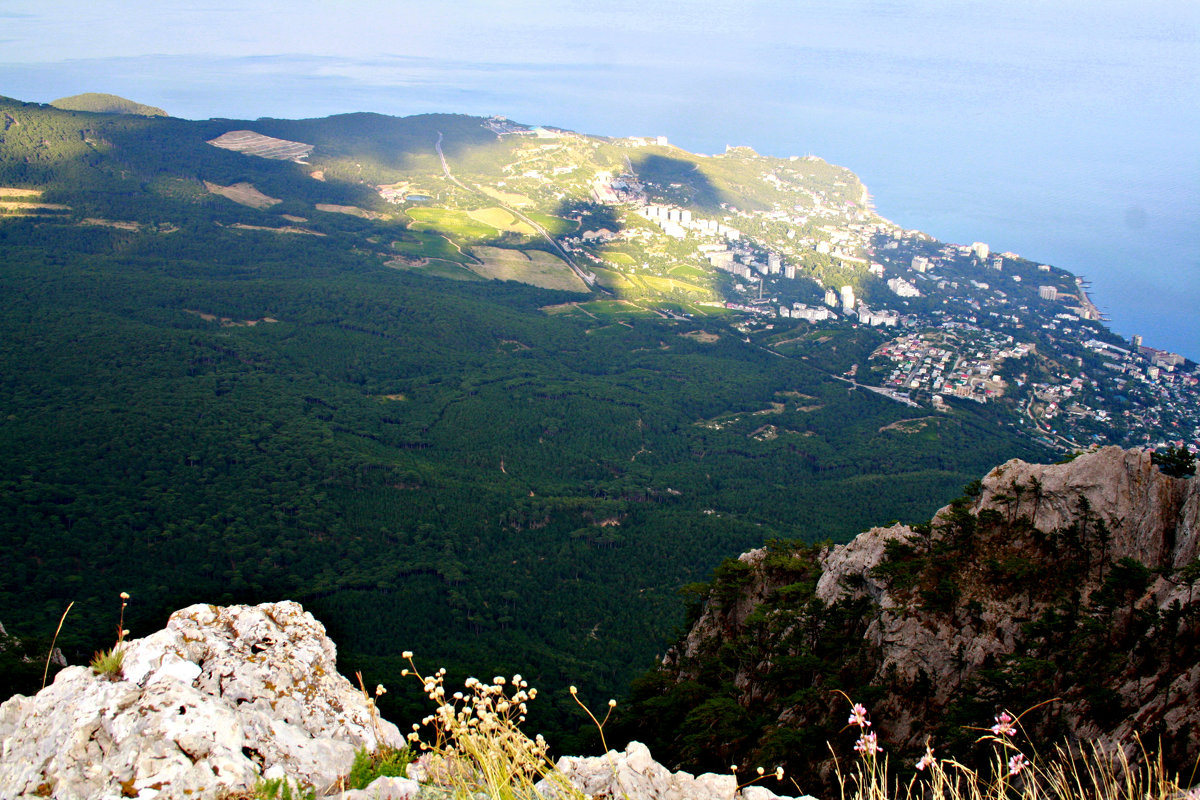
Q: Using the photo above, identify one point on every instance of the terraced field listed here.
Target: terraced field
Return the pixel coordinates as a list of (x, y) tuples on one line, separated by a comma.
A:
[(256, 144)]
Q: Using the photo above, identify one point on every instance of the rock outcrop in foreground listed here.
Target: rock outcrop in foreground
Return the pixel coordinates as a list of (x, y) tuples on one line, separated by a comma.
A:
[(224, 697), (204, 707), (635, 775)]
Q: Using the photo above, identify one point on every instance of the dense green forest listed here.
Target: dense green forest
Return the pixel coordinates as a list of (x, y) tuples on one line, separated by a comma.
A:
[(198, 412), (106, 104)]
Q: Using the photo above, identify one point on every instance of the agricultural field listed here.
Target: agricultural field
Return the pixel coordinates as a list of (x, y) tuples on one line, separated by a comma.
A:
[(508, 198), (555, 226), (617, 257), (616, 309), (24, 202), (689, 272), (421, 244), (671, 285), (534, 267), (436, 268), (256, 144), (354, 211), (502, 220), (611, 279), (457, 224)]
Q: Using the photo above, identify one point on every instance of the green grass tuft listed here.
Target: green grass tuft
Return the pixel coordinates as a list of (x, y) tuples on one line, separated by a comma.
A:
[(108, 663), (386, 762)]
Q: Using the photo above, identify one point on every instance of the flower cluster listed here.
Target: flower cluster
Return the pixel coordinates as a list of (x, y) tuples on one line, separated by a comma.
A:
[(868, 743), (472, 739), (1004, 725)]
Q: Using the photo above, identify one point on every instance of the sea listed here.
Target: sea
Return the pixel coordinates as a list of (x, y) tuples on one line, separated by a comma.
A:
[(1067, 131)]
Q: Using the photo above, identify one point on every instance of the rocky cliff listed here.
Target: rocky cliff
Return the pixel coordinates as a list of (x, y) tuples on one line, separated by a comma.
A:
[(1073, 583)]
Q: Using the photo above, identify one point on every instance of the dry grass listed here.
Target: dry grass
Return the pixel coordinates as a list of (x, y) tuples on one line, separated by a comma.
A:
[(473, 746), (242, 193), (1017, 772)]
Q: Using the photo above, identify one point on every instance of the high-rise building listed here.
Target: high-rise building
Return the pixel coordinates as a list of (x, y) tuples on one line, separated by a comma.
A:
[(903, 288), (847, 299), (1048, 292)]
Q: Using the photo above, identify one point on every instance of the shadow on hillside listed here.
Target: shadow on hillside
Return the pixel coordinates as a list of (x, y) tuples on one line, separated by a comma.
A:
[(677, 181)]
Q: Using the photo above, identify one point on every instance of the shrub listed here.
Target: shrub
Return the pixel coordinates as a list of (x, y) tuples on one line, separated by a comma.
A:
[(1177, 462)]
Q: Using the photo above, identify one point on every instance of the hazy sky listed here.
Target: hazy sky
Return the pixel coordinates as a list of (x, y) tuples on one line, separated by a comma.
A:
[(1068, 131)]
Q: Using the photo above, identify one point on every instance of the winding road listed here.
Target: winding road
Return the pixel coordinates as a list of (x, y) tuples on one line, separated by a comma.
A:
[(588, 278)]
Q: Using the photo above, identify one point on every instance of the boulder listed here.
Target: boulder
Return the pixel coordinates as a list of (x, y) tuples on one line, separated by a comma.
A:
[(202, 708)]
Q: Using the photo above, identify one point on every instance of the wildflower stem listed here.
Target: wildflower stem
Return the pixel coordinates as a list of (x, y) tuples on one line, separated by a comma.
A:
[(50, 654)]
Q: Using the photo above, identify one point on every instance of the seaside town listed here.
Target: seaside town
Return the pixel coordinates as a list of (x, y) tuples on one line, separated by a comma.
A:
[(955, 323), (791, 251)]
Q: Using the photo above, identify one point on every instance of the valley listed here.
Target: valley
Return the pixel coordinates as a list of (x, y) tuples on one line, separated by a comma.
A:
[(510, 388)]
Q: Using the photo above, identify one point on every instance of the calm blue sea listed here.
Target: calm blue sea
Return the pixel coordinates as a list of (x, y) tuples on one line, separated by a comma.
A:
[(1065, 130)]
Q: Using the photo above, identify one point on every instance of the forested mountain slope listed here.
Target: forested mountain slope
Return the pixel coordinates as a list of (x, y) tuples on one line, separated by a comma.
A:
[(207, 401)]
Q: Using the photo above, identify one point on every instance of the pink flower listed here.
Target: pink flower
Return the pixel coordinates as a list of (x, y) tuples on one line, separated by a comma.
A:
[(926, 760), (868, 745), (859, 716), (1016, 764), (1004, 726)]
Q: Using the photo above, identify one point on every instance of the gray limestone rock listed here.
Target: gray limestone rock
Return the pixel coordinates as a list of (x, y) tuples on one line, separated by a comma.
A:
[(635, 775), (203, 707)]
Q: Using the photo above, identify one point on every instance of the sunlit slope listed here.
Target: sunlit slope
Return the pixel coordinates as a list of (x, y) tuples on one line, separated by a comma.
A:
[(106, 104), (526, 188)]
